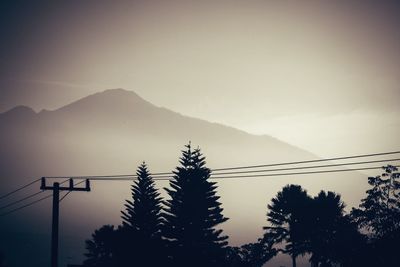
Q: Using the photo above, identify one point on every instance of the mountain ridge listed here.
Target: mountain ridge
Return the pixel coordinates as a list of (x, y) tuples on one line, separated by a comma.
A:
[(109, 98)]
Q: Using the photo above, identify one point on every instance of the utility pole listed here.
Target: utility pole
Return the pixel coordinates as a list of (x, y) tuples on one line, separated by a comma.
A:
[(56, 188)]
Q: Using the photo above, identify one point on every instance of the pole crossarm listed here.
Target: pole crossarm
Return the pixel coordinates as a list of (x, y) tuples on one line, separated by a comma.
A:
[(70, 187)]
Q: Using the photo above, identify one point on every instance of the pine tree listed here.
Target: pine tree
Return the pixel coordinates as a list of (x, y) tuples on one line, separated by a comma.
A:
[(192, 214), (144, 213), (140, 235)]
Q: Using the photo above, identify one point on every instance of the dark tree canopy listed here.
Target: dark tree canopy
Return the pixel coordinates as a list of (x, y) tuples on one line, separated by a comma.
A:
[(328, 212), (100, 248), (192, 214), (332, 236), (379, 212), (289, 218), (143, 214), (140, 239), (251, 254), (183, 230)]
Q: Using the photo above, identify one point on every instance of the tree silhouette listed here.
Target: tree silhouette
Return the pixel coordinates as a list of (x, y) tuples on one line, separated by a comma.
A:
[(140, 234), (333, 236), (379, 212), (328, 211), (257, 254), (251, 254), (289, 216), (100, 248), (144, 213), (192, 214)]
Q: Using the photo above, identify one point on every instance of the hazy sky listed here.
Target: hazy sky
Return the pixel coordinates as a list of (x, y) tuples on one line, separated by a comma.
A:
[(323, 75)]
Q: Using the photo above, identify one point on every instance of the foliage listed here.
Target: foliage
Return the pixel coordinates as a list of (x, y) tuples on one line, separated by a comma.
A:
[(192, 214), (333, 236), (379, 212), (140, 235), (144, 213), (251, 254), (100, 248), (184, 232), (289, 217), (379, 215)]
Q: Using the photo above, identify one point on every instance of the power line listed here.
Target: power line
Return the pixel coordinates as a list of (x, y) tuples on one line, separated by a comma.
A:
[(301, 173), (251, 176), (19, 189), (309, 161), (27, 205), (309, 167), (228, 175), (159, 176), (220, 177), (30, 196), (20, 200), (240, 167), (27, 197), (249, 171), (66, 194)]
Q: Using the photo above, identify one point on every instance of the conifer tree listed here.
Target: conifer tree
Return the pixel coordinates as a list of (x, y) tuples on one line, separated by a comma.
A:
[(143, 214), (192, 214), (141, 241)]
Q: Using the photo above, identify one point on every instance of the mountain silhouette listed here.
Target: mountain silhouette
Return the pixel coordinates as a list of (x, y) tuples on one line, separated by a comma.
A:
[(105, 126), (111, 133)]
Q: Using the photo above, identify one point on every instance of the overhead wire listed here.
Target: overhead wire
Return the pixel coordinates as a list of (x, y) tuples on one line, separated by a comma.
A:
[(253, 175), (27, 197), (248, 171), (222, 176), (66, 194), (161, 174), (309, 161), (25, 206), (309, 167), (20, 200), (19, 188)]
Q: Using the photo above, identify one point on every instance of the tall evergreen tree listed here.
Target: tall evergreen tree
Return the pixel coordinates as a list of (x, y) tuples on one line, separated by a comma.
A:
[(192, 214), (143, 214), (140, 235)]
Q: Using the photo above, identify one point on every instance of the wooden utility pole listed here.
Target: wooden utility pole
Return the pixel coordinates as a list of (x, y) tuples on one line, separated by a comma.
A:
[(56, 188)]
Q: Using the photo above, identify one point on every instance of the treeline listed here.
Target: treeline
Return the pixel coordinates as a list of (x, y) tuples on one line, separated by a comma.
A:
[(182, 231)]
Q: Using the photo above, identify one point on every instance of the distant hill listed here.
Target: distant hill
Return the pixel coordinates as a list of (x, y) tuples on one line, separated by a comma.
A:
[(111, 133)]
